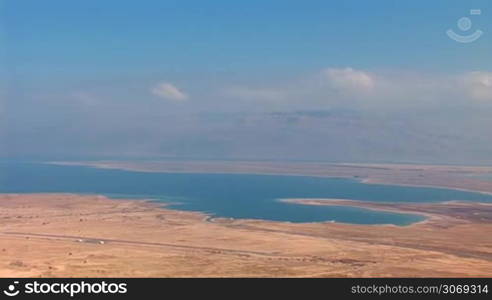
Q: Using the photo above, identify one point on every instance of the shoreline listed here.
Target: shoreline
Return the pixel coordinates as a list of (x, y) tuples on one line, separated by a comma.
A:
[(57, 235), (434, 212), (370, 181), (360, 204), (209, 217), (364, 180)]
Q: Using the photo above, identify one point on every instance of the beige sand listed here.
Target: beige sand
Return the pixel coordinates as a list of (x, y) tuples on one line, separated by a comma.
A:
[(71, 235)]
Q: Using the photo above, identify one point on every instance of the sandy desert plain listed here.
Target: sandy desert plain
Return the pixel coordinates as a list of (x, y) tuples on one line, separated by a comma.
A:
[(69, 235)]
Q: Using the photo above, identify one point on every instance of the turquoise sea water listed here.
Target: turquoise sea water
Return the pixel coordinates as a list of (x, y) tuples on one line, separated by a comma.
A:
[(228, 195)]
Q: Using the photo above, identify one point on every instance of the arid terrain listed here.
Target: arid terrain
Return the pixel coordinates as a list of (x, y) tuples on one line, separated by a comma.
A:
[(72, 235), (88, 235)]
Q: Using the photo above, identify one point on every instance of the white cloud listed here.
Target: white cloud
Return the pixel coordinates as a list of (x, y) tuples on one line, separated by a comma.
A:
[(169, 91), (372, 90), (479, 85), (349, 80)]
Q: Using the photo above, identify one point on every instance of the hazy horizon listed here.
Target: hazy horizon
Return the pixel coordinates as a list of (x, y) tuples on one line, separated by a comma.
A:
[(259, 80)]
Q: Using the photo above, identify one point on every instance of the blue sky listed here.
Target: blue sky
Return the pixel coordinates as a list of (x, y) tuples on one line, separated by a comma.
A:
[(59, 37), (149, 60)]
